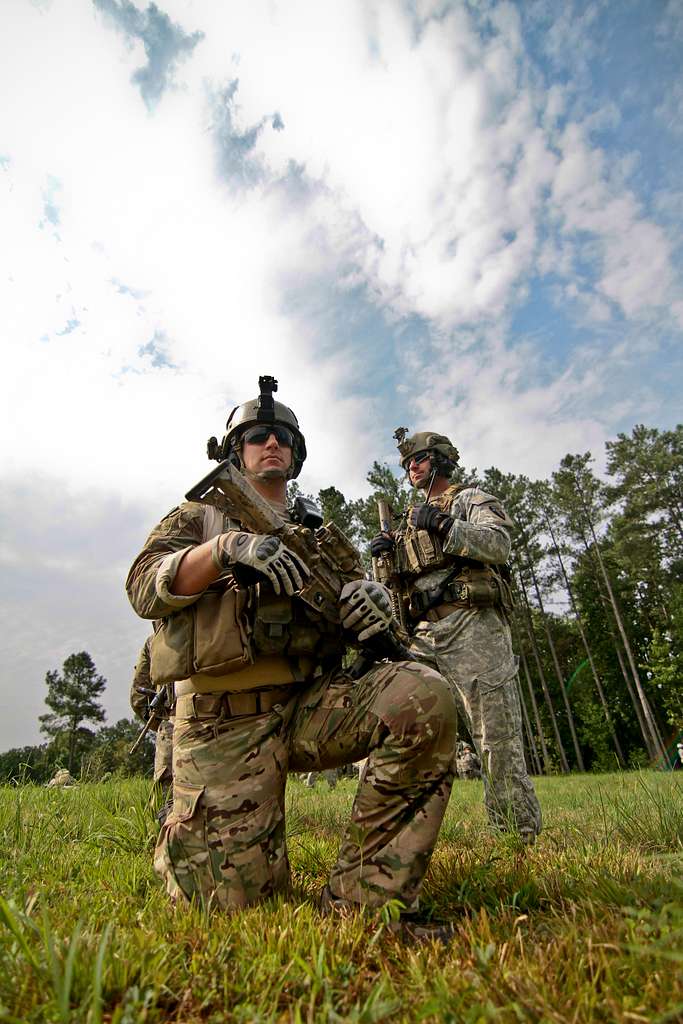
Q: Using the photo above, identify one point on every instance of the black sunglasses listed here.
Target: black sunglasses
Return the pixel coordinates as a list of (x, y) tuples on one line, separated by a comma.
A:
[(417, 458), (262, 431)]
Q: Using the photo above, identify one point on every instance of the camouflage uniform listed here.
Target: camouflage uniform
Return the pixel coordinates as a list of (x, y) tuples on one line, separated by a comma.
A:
[(62, 777), (466, 637), (241, 727), (163, 752), (139, 701)]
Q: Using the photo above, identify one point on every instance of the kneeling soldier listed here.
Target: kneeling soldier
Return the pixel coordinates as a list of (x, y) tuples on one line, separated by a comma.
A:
[(262, 692)]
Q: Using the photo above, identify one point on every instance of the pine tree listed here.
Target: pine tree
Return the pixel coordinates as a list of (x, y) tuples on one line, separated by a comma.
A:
[(648, 467), (336, 509), (73, 700), (665, 676)]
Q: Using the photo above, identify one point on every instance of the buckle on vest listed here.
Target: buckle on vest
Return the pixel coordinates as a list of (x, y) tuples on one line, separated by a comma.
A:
[(455, 592), (422, 600)]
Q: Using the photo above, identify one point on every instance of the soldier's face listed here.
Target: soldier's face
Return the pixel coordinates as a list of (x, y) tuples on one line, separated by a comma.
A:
[(420, 469), (268, 459)]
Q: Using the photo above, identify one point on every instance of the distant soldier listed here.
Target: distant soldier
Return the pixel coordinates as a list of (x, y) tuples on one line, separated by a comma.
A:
[(62, 778), (140, 692), (450, 557), (467, 763), (330, 775)]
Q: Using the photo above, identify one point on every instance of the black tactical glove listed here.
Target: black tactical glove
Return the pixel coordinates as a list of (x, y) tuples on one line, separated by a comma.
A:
[(381, 544), (430, 518)]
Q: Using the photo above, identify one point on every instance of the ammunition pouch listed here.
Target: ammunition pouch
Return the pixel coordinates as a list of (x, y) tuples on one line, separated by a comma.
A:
[(273, 621), (282, 626), (418, 551)]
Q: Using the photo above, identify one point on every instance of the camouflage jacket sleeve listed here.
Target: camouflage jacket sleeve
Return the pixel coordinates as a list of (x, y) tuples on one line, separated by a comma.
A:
[(481, 527), (141, 679), (153, 571)]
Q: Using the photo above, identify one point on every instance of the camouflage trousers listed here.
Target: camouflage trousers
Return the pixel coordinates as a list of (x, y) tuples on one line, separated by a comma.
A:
[(163, 753), (472, 649), (224, 841)]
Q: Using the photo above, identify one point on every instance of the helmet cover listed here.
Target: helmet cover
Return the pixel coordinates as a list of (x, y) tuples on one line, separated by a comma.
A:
[(425, 441)]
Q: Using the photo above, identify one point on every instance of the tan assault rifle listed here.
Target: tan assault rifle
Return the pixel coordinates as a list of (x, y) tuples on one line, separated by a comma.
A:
[(326, 552)]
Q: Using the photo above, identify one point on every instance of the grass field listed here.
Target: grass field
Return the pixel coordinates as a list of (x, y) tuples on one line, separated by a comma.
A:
[(585, 926)]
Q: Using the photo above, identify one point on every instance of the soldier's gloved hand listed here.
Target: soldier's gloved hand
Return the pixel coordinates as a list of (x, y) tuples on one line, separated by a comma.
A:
[(365, 608), (266, 554), (381, 544), (430, 518)]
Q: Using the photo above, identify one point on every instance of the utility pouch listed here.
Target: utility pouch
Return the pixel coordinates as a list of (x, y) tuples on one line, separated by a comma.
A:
[(221, 635), (273, 620), (419, 551), (503, 578), (171, 648), (482, 591)]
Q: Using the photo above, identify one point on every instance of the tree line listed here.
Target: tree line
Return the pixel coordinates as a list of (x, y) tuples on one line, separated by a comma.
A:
[(73, 701), (598, 623)]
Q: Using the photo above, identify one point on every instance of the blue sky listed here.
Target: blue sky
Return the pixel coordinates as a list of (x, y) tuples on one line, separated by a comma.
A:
[(461, 215)]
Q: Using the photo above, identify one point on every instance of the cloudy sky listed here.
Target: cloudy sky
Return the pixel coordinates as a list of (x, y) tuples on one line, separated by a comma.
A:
[(465, 215)]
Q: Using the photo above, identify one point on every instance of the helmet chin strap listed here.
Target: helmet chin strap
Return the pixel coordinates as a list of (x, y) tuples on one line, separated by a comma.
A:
[(431, 484)]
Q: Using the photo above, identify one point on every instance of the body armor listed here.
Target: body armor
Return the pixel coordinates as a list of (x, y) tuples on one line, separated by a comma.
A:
[(432, 578)]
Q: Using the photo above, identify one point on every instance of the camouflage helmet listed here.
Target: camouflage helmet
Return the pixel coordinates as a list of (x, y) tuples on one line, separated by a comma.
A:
[(263, 409), (445, 455)]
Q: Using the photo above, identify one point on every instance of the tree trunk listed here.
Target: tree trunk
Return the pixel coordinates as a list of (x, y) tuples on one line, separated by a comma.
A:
[(547, 766), (556, 664), (586, 647), (531, 743), (564, 763), (656, 744), (72, 748)]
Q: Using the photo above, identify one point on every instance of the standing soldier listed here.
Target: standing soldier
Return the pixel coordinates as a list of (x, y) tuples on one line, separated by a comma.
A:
[(140, 692), (450, 564), (261, 691), (466, 762)]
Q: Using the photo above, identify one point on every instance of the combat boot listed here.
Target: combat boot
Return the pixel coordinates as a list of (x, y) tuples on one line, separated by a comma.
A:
[(410, 928)]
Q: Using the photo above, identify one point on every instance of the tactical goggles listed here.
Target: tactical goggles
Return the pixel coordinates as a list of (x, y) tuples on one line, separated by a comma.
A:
[(417, 458), (260, 433)]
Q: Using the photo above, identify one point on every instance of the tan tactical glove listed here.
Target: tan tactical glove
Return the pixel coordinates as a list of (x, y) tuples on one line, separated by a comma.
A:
[(365, 608), (266, 554)]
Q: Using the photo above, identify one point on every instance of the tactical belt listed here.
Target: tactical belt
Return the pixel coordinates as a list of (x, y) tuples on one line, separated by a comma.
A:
[(266, 671), (442, 611), (454, 594), (223, 706)]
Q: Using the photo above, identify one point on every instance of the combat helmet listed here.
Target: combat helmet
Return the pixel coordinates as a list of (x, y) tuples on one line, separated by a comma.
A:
[(263, 409), (444, 455)]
